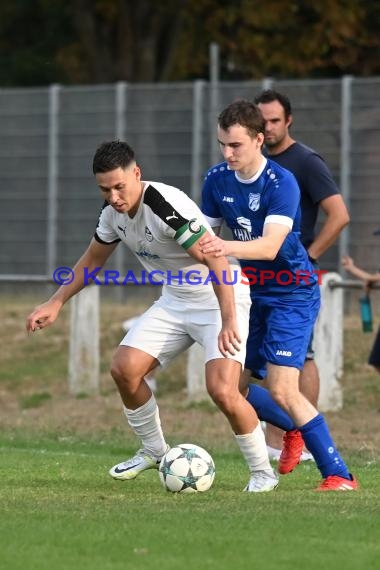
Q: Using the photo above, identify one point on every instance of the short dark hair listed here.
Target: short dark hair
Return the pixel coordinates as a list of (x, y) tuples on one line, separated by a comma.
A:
[(244, 113), (111, 155), (270, 95)]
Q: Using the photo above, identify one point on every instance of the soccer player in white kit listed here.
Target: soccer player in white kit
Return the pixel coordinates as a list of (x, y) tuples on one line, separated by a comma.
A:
[(204, 299)]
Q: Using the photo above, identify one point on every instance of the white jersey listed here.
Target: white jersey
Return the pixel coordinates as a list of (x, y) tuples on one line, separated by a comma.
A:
[(166, 223)]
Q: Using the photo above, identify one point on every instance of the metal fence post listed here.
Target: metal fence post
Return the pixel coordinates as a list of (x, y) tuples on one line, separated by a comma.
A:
[(345, 158), (84, 354), (267, 83), (215, 156), (196, 144), (121, 102), (52, 197)]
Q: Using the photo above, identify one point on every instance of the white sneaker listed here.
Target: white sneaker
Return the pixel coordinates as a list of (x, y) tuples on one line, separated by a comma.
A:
[(306, 456), (132, 467), (273, 453), (262, 482)]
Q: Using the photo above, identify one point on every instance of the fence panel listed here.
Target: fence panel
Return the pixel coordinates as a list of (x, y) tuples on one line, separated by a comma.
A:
[(173, 129)]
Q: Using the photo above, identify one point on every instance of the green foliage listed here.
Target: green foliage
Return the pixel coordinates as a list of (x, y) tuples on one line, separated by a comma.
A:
[(102, 41), (31, 34), (282, 38)]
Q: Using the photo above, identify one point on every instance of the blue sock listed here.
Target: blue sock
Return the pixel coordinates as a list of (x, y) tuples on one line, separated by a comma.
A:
[(318, 441), (267, 409)]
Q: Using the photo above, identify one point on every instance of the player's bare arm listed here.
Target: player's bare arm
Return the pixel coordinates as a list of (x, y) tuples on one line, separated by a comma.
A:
[(229, 338), (337, 217), (44, 315), (349, 265), (266, 247)]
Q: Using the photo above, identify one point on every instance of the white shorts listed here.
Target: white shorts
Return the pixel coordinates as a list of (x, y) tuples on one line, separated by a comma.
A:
[(171, 326)]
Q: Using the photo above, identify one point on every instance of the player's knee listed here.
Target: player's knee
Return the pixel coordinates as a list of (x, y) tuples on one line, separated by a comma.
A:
[(280, 397), (122, 373), (117, 373), (223, 397)]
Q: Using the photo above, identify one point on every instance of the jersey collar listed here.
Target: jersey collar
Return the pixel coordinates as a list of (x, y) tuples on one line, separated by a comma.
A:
[(256, 176)]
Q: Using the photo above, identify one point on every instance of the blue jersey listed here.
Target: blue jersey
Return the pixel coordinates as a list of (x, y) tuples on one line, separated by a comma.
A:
[(272, 195)]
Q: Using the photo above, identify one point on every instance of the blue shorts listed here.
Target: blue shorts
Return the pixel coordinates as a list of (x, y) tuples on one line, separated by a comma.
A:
[(310, 349), (280, 330)]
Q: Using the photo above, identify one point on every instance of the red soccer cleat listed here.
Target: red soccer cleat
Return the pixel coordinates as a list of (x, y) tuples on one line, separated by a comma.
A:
[(291, 451), (337, 483)]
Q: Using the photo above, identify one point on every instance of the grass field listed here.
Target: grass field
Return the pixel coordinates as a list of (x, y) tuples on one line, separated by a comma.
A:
[(60, 509)]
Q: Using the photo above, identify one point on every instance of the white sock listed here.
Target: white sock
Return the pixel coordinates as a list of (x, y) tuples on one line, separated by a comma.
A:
[(145, 422), (254, 448)]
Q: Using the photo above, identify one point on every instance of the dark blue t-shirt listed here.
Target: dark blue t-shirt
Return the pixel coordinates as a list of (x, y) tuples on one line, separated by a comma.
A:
[(314, 179)]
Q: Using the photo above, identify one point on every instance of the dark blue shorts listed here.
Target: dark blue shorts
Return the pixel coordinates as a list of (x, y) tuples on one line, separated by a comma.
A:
[(280, 330)]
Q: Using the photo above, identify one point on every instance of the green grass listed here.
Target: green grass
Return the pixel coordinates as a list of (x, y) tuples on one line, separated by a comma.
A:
[(60, 509), (34, 400)]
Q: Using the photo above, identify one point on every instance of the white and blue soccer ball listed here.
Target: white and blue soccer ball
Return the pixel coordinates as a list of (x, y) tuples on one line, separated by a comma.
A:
[(187, 468)]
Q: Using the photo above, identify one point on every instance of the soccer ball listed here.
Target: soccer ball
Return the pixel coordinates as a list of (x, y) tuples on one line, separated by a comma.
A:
[(187, 468)]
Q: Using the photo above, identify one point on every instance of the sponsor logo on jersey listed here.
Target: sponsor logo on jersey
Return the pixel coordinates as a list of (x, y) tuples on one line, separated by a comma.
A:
[(244, 223), (229, 199), (242, 235), (147, 254), (172, 217), (254, 202), (124, 230), (283, 353), (148, 234)]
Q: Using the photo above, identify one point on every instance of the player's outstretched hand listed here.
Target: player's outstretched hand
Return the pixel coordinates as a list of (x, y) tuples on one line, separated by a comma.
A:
[(347, 262), (213, 244), (229, 339), (43, 316)]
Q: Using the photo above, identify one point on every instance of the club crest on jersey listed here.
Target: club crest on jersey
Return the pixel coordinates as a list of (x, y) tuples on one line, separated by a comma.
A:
[(148, 234), (254, 202)]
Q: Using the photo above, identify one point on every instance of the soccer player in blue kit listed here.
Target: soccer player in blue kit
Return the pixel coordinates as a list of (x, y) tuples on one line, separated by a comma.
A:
[(318, 193), (259, 201)]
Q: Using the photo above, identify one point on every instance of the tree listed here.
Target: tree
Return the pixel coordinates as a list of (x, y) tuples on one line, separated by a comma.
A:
[(31, 33), (103, 41), (122, 40), (283, 38)]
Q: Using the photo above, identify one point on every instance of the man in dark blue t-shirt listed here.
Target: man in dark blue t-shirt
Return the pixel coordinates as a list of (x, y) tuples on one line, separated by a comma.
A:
[(318, 190)]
